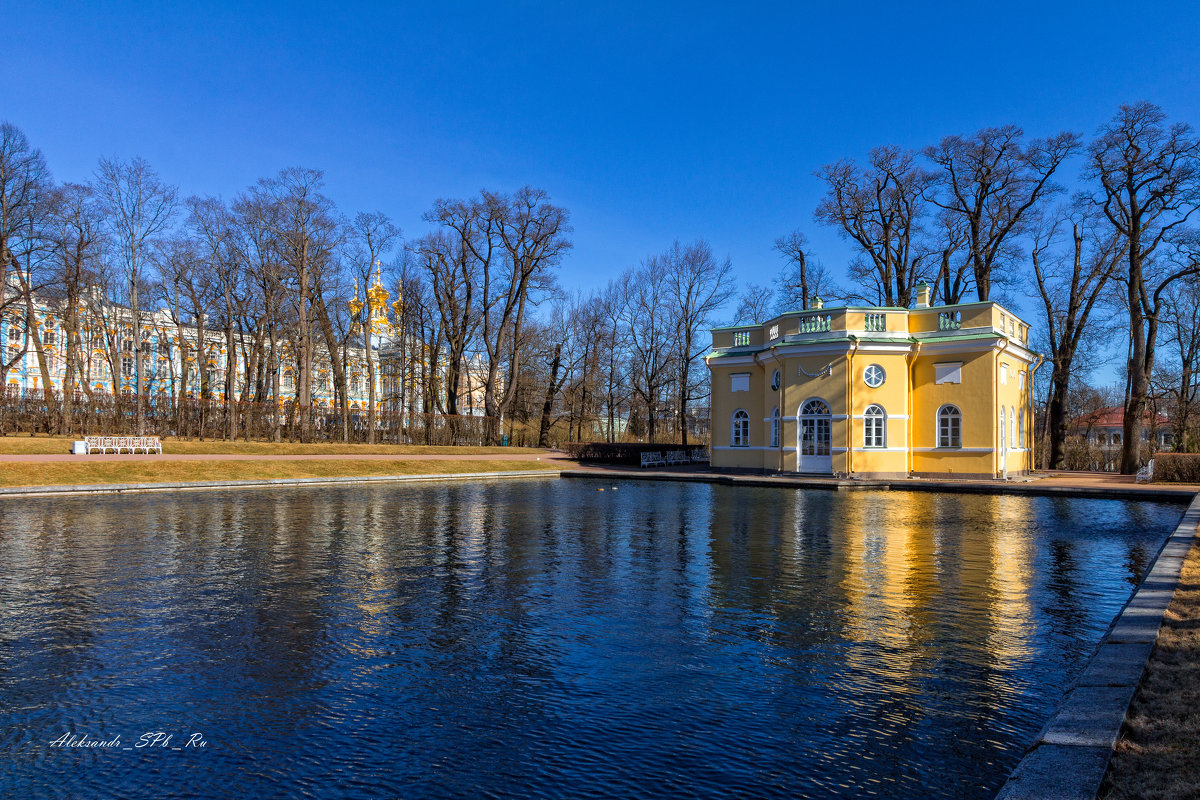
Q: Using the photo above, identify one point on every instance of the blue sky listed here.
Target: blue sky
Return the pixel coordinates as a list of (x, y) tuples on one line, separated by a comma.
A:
[(650, 123)]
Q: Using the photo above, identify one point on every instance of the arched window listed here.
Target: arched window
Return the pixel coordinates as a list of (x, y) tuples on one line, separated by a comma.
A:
[(815, 428), (740, 433), (875, 427), (775, 427), (949, 426), (1021, 431), (1003, 431), (1012, 428)]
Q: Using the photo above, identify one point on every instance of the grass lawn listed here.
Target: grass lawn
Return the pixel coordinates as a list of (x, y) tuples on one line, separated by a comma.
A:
[(60, 473), (36, 445), (1158, 754)]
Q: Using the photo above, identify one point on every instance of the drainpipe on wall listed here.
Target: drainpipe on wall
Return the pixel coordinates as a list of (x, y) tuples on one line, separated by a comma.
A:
[(1002, 441), (1029, 437), (850, 407), (781, 405), (910, 365)]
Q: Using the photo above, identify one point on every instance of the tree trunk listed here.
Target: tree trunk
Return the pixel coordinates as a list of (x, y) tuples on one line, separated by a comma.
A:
[(548, 405)]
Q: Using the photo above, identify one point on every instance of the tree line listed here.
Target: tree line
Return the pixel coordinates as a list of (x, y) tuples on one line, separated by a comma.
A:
[(1111, 264), (271, 274)]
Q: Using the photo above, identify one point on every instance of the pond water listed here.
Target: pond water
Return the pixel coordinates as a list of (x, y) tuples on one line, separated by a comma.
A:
[(541, 638)]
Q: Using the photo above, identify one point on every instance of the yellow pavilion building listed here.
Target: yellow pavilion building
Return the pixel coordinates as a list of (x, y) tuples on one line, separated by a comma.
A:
[(934, 391)]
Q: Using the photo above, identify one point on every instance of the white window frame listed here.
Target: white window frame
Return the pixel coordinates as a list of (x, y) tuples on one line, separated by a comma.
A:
[(949, 427), (875, 427), (775, 427), (739, 428), (1003, 373), (948, 372), (882, 375), (739, 382)]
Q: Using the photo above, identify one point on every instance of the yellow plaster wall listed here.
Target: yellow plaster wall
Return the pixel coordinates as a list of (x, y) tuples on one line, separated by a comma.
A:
[(725, 402), (893, 397), (974, 399)]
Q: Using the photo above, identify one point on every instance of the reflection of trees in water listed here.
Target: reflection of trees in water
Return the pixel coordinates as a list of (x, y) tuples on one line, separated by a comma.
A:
[(842, 632), (1065, 609), (1137, 562)]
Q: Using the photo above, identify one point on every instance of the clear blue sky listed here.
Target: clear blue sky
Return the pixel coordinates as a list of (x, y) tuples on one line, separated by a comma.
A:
[(649, 123)]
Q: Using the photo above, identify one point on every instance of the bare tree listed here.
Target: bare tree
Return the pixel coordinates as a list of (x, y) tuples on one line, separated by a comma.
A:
[(1147, 177), (795, 277), (698, 284), (24, 181), (612, 314), (139, 208), (1181, 336), (1070, 285), (452, 271), (992, 181), (754, 305), (370, 237), (879, 208), (307, 235), (531, 236), (213, 226), (651, 331), (74, 232), (955, 277)]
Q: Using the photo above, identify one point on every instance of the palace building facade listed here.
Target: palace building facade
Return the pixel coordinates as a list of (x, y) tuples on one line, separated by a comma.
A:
[(937, 391), (36, 356)]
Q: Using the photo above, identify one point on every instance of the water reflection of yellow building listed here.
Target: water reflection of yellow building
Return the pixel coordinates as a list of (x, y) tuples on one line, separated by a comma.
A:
[(898, 571), (913, 558)]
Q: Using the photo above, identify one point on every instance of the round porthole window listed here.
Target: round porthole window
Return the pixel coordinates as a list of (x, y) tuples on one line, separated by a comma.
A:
[(775, 379), (874, 376)]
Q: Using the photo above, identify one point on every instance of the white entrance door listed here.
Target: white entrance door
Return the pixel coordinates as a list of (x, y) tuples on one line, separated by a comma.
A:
[(815, 454)]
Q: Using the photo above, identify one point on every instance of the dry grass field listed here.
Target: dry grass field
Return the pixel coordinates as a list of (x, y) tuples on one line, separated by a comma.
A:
[(1158, 756), (38, 445), (60, 474)]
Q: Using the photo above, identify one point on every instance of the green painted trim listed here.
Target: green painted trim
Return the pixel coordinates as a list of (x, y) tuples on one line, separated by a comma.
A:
[(974, 337), (724, 354), (868, 309)]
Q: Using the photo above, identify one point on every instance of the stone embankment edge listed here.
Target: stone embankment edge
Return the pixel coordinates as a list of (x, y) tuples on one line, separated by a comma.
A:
[(130, 488), (1071, 754), (1172, 494)]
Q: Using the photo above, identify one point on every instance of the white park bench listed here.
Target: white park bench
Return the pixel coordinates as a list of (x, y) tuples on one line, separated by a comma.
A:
[(653, 460), (1145, 474), (677, 457), (118, 444), (699, 456)]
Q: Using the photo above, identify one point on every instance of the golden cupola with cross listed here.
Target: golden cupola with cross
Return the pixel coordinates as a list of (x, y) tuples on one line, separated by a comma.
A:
[(377, 304)]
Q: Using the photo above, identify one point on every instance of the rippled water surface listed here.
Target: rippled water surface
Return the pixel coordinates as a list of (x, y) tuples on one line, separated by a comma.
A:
[(542, 638)]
